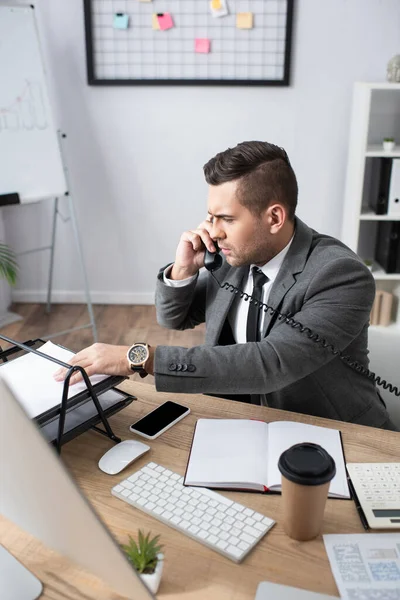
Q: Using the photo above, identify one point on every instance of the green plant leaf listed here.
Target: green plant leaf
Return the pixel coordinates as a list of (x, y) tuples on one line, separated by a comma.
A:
[(8, 264), (143, 554)]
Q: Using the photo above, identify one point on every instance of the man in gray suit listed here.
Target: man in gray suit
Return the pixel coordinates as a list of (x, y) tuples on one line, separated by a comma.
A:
[(321, 287)]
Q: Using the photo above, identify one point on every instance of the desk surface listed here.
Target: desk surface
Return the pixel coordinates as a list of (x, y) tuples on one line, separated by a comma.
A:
[(191, 570)]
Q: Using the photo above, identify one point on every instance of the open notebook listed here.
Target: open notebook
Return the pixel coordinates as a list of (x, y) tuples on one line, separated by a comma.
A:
[(243, 454)]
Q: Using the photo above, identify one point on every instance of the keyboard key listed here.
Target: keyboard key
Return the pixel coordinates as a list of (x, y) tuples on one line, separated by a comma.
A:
[(203, 534), (227, 527), (250, 530), (235, 551)]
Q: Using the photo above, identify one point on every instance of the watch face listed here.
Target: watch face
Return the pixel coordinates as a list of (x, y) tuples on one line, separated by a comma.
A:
[(138, 355)]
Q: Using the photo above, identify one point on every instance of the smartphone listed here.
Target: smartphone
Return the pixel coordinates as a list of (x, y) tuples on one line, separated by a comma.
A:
[(159, 420)]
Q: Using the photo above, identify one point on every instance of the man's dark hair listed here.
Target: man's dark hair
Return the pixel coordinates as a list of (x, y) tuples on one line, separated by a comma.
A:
[(264, 175)]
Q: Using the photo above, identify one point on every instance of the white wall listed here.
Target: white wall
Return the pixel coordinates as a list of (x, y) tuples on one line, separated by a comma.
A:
[(135, 154)]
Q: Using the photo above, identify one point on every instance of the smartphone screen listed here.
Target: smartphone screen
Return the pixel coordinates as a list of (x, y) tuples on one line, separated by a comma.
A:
[(160, 419)]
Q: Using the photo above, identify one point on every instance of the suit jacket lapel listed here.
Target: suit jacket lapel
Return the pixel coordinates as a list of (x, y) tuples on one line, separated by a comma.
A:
[(293, 264)]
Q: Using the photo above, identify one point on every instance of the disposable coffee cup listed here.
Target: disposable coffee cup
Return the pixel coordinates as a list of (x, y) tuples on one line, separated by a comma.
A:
[(307, 470)]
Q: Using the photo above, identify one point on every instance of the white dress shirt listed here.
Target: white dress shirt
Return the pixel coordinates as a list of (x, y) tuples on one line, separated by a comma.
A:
[(240, 308)]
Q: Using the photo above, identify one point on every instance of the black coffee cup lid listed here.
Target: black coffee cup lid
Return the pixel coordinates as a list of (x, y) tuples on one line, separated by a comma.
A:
[(307, 464)]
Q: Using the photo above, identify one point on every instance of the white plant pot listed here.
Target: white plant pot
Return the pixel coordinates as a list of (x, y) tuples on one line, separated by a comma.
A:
[(388, 146), (152, 580)]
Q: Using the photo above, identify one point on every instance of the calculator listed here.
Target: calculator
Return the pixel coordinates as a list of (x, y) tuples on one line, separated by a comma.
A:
[(377, 486)]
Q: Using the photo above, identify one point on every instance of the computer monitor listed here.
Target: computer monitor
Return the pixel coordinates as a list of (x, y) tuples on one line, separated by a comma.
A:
[(39, 495)]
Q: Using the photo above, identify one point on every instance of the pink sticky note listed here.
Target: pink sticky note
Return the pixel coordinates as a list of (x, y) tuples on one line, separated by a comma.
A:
[(202, 45), (165, 21)]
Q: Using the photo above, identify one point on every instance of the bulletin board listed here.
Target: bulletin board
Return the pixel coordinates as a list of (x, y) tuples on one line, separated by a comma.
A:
[(150, 42)]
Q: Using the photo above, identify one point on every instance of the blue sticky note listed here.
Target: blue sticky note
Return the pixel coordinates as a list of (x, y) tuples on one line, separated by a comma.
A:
[(121, 21)]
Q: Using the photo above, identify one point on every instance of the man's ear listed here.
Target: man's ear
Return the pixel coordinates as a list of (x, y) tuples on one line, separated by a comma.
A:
[(275, 217)]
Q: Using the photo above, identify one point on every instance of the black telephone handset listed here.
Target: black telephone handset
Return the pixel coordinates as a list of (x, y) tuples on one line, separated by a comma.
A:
[(213, 260)]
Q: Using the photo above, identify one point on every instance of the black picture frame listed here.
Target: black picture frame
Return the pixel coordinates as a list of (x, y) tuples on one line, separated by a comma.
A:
[(96, 81)]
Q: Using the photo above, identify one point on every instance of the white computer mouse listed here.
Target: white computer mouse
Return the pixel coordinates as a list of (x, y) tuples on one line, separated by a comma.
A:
[(121, 455)]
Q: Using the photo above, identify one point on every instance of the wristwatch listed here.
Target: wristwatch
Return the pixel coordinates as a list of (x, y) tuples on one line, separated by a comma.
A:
[(137, 356)]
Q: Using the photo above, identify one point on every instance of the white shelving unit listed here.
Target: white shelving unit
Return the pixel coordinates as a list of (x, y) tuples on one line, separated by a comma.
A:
[(375, 115)]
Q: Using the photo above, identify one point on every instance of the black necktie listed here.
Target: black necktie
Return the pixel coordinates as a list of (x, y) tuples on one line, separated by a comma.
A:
[(254, 314)]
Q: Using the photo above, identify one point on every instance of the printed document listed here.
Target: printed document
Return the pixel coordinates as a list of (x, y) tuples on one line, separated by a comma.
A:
[(30, 378), (365, 566)]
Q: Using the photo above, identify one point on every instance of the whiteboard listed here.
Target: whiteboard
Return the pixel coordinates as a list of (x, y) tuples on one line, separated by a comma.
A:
[(30, 159)]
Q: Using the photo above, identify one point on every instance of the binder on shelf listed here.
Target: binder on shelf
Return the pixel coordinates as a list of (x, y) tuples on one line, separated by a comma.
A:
[(71, 416), (381, 313), (394, 190), (380, 184), (376, 307), (387, 250), (385, 313)]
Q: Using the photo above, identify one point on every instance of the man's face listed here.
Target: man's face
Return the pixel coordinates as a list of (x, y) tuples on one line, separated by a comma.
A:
[(244, 238)]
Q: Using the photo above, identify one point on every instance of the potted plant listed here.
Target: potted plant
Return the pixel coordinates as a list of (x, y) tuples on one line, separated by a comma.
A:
[(368, 262), (388, 144), (145, 555), (8, 276), (8, 264)]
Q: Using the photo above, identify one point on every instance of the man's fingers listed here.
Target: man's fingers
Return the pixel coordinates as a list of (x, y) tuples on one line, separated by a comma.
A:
[(61, 373), (200, 238), (77, 375), (75, 378)]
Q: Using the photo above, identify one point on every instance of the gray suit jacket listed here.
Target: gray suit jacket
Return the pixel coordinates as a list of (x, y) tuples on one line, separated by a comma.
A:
[(323, 285)]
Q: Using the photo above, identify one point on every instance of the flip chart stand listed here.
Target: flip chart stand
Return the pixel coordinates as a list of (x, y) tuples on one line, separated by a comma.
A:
[(65, 402), (14, 198)]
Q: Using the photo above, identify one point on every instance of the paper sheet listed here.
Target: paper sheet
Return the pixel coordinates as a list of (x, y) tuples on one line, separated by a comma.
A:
[(202, 45), (30, 378), (244, 20), (165, 21), (365, 566), (154, 22), (218, 8), (121, 21)]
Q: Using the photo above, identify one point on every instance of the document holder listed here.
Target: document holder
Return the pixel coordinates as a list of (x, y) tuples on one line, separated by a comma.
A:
[(85, 419)]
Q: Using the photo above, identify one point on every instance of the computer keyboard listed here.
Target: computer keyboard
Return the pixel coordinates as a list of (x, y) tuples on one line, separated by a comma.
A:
[(206, 516)]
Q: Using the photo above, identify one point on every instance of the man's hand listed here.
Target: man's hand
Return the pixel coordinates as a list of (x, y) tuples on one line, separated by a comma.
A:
[(190, 252), (101, 359)]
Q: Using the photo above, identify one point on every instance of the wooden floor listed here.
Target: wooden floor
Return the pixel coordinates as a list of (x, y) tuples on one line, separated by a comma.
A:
[(116, 324)]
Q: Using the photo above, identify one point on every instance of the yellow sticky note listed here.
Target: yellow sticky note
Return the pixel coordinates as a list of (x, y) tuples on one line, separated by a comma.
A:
[(244, 20), (216, 4), (154, 21)]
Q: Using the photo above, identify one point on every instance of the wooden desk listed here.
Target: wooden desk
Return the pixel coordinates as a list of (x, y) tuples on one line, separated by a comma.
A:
[(192, 571)]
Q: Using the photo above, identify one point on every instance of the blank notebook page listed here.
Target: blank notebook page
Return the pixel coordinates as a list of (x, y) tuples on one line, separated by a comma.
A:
[(283, 434), (224, 450)]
